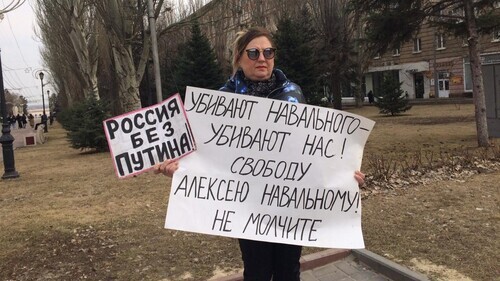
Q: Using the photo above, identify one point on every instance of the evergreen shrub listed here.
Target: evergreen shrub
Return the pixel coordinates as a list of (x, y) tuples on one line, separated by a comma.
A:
[(391, 100), (84, 124)]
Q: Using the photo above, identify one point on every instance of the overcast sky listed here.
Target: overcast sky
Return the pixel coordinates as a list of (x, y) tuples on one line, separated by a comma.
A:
[(21, 53)]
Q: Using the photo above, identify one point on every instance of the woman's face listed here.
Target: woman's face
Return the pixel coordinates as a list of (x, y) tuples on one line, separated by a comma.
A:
[(261, 68)]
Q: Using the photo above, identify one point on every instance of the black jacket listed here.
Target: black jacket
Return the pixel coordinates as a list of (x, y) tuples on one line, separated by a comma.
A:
[(286, 91)]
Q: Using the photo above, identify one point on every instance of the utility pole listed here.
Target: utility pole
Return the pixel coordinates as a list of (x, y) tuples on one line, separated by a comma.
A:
[(154, 50)]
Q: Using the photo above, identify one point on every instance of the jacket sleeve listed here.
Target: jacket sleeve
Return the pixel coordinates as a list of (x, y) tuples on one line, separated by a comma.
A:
[(292, 93), (229, 86), (225, 88)]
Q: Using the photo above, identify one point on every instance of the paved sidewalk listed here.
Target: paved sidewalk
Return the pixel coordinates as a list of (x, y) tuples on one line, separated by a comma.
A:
[(345, 269), (348, 265)]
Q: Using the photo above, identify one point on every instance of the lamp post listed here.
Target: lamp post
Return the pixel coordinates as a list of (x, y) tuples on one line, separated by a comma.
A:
[(50, 110), (6, 139), (48, 101), (44, 116)]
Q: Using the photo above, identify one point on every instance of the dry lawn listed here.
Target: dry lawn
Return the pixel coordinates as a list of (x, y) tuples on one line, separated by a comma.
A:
[(67, 217)]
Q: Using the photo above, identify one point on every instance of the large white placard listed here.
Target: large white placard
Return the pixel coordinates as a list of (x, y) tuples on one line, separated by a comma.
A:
[(270, 170), (140, 139)]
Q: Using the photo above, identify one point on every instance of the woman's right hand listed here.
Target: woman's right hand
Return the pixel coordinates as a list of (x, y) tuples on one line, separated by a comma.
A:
[(168, 167)]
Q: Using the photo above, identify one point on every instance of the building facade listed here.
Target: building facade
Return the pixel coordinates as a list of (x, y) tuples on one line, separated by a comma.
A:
[(433, 65)]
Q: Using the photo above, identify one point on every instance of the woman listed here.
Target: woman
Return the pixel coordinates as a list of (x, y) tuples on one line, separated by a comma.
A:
[(253, 69), (254, 74)]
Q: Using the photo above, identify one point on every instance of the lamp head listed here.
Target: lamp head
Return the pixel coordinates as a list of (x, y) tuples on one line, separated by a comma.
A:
[(41, 75)]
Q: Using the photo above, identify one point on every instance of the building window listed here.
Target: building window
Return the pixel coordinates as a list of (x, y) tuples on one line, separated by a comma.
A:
[(396, 52), (467, 76), (457, 14), (440, 42), (496, 36), (377, 56), (496, 4), (417, 45)]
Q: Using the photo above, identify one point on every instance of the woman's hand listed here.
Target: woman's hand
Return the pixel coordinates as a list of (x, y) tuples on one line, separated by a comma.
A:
[(168, 167), (360, 178)]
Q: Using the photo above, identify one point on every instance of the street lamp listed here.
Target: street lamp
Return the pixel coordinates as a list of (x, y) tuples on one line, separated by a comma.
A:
[(6, 139), (44, 116), (41, 81), (48, 100), (50, 110)]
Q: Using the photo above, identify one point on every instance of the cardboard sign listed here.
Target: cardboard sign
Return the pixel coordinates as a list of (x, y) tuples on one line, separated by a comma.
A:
[(270, 170), (140, 139)]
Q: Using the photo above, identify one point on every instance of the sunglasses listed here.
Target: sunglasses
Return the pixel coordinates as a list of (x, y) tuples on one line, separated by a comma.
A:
[(254, 53)]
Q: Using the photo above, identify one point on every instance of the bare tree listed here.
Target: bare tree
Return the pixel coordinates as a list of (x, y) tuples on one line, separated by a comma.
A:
[(63, 75), (477, 74), (11, 101), (289, 8), (176, 22), (122, 22), (335, 25), (67, 29), (82, 33), (11, 5), (361, 55)]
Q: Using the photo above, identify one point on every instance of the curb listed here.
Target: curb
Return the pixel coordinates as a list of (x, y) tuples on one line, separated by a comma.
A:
[(322, 258), (386, 267), (307, 262), (376, 262)]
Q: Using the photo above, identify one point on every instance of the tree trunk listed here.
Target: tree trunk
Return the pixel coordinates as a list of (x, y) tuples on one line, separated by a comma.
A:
[(122, 23), (67, 31), (358, 92), (128, 87), (477, 76), (336, 91), (69, 98), (86, 52)]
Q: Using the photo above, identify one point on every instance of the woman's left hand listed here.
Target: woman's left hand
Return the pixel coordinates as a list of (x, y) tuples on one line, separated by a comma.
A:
[(168, 167), (360, 178)]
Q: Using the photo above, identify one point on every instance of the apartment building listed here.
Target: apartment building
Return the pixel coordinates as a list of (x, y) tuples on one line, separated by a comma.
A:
[(433, 65)]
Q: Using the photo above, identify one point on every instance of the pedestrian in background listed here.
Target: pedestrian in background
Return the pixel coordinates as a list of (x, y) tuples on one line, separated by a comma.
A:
[(371, 98), (31, 120), (12, 121), (19, 121), (24, 120)]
